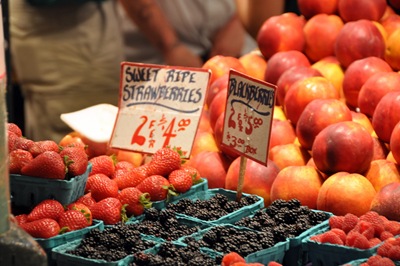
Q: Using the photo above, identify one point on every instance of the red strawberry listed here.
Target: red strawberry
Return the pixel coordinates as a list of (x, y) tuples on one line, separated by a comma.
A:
[(274, 263), (42, 228), (78, 206), (21, 218), (128, 178), (349, 222), (231, 258), (336, 221), (11, 140), (195, 174), (72, 220), (331, 237), (48, 208), (23, 143), (86, 199), (15, 129), (101, 187), (180, 180), (48, 164), (156, 185), (76, 160), (164, 161), (103, 164), (41, 146), (109, 210), (125, 165), (136, 200), (18, 159)]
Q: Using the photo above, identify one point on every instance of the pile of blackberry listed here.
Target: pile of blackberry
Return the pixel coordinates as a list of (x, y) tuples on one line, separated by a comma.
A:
[(112, 244), (164, 224), (285, 219), (170, 254), (211, 209), (225, 239)]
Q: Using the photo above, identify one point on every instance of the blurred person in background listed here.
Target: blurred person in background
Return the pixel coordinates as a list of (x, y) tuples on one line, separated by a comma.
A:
[(182, 32), (66, 56)]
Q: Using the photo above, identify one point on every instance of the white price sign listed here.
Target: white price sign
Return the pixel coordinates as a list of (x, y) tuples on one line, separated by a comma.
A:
[(159, 106)]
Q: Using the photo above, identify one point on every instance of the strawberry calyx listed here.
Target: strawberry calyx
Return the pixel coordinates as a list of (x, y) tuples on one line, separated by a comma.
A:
[(64, 230), (124, 216), (144, 199), (196, 180)]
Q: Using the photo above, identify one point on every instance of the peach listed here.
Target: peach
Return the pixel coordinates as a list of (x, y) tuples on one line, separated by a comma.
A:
[(279, 33), (344, 193), (381, 149), (303, 91), (343, 146), (258, 178), (391, 23), (218, 133), (382, 172), (220, 65), (290, 76), (279, 113), (320, 33), (386, 115), (310, 8), (297, 182), (358, 39), (352, 10), (387, 201), (317, 115), (395, 143), (255, 64), (219, 84), (331, 69), (357, 74), (217, 106), (363, 120), (392, 53), (282, 132), (374, 88), (290, 154), (204, 141)]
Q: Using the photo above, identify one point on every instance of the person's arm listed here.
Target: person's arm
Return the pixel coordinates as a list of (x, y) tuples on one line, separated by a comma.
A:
[(253, 13), (152, 22)]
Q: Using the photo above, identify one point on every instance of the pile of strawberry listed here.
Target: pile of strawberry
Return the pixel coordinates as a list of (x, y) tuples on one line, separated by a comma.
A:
[(123, 190), (44, 158), (234, 259), (362, 232), (50, 218)]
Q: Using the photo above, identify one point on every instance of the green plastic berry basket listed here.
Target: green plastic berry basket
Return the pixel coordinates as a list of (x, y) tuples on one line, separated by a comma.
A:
[(275, 253), (28, 191), (326, 254), (201, 186), (230, 218), (49, 243), (361, 261)]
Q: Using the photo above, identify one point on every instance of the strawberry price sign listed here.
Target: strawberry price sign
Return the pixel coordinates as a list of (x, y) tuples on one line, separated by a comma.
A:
[(248, 116), (159, 106)]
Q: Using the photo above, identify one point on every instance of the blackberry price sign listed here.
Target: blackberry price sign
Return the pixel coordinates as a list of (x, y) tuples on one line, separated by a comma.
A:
[(248, 116), (159, 106)]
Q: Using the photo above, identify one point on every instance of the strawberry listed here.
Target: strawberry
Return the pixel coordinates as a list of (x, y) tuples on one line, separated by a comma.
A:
[(41, 146), (180, 180), (109, 210), (231, 258), (156, 185), (83, 209), (87, 200), (135, 200), (164, 161), (17, 159), (101, 187), (75, 159), (11, 140), (48, 208), (193, 172), (48, 164), (21, 218), (274, 263), (72, 220), (42, 228), (23, 143), (15, 129), (125, 165), (103, 164), (128, 178)]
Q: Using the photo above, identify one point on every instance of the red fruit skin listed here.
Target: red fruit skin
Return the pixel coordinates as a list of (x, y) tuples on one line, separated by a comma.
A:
[(23, 143), (108, 210), (21, 218), (11, 140), (132, 197), (72, 220), (129, 178), (231, 258), (180, 180), (76, 160), (18, 159), (87, 200), (41, 146), (15, 129), (331, 237), (164, 161), (48, 164), (156, 185), (42, 228), (48, 208), (192, 171), (83, 209), (102, 187), (102, 164)]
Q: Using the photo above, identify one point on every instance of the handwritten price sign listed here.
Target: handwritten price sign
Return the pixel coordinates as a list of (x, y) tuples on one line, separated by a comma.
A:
[(159, 106), (248, 116)]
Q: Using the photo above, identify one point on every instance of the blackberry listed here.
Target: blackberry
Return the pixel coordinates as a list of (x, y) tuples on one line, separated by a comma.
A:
[(151, 214), (293, 204)]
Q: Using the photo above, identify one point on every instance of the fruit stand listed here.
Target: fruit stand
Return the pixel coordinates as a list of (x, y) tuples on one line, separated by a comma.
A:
[(326, 191)]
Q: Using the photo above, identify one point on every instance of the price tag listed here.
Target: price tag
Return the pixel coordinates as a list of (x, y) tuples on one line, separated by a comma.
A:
[(159, 106), (248, 116)]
